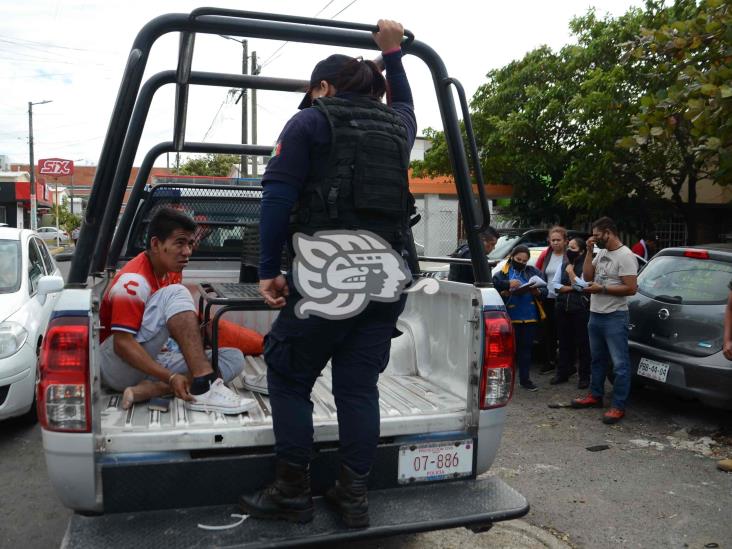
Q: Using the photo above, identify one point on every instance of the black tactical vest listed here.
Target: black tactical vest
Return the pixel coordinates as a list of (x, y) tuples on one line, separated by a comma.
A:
[(364, 185)]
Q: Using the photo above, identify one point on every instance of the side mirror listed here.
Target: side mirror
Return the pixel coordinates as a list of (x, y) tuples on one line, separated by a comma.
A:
[(49, 285)]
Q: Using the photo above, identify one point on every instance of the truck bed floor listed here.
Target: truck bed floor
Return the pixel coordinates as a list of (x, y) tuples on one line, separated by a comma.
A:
[(409, 404)]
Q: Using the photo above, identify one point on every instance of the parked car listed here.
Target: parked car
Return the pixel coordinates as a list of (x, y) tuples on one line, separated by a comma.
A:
[(533, 238), (49, 234), (24, 314), (677, 323)]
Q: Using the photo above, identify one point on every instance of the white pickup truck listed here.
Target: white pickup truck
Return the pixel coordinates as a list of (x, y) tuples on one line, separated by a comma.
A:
[(144, 478)]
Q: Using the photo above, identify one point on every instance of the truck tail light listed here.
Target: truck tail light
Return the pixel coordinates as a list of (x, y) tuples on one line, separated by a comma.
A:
[(496, 381), (63, 392), (696, 254)]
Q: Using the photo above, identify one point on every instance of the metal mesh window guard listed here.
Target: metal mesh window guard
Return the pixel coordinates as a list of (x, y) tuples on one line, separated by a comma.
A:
[(227, 218)]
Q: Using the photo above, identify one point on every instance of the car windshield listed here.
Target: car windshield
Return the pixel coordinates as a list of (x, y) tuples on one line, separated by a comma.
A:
[(686, 280), (504, 245), (9, 266)]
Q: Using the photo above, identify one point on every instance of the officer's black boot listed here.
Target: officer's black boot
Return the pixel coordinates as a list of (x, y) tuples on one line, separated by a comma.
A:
[(349, 497), (287, 498)]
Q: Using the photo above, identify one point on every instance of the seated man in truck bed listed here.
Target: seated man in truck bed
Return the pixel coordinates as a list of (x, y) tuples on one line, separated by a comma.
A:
[(145, 306)]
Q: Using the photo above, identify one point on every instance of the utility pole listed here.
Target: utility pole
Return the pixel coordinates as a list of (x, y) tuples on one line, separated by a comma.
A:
[(244, 109), (255, 71), (33, 204), (58, 231)]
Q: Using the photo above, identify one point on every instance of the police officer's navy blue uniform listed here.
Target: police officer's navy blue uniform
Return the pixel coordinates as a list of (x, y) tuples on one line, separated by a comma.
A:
[(299, 196), (461, 273)]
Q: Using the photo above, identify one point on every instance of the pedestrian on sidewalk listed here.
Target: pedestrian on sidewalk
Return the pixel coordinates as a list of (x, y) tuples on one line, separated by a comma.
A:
[(613, 273), (524, 307), (572, 315), (726, 464)]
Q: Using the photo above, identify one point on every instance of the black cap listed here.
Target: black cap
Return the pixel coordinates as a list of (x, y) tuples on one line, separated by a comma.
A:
[(328, 69)]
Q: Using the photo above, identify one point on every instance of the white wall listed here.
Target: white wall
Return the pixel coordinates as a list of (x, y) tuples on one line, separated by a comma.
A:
[(437, 230)]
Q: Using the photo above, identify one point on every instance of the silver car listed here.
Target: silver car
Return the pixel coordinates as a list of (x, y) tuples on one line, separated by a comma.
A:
[(677, 323)]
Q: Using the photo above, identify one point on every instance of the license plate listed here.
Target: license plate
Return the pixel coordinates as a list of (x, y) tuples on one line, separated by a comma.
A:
[(653, 369), (435, 461)]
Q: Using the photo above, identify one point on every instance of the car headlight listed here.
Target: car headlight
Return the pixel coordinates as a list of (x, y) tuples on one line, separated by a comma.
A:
[(12, 337)]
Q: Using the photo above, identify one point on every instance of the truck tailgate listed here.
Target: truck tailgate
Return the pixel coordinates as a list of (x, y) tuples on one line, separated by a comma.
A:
[(394, 511)]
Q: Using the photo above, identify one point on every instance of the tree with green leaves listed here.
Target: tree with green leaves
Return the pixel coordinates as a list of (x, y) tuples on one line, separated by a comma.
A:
[(215, 165), (684, 123), (66, 220), (550, 124)]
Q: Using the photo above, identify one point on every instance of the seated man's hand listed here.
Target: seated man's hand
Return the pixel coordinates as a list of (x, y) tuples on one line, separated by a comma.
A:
[(274, 291), (180, 386)]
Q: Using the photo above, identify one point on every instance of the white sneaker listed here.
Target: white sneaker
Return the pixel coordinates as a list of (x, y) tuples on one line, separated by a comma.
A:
[(256, 383), (219, 398)]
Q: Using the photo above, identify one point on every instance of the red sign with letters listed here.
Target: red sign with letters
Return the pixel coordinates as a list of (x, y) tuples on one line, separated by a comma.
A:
[(55, 167)]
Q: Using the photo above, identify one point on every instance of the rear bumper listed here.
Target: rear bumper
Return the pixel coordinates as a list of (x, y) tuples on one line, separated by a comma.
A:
[(18, 378), (708, 379), (405, 510)]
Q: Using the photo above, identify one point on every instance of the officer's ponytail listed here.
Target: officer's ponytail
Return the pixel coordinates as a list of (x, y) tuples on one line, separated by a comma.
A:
[(362, 77)]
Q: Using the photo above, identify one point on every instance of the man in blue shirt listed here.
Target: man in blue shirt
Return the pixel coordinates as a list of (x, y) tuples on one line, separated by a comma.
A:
[(315, 183)]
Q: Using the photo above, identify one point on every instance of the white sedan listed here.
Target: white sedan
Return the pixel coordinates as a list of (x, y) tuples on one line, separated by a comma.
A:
[(50, 235), (25, 308)]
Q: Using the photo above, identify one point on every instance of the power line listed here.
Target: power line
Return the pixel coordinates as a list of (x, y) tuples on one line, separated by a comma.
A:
[(32, 43), (272, 57), (215, 117), (344, 9)]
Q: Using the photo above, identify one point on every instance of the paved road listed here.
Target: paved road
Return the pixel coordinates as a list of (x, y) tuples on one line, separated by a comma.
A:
[(655, 486)]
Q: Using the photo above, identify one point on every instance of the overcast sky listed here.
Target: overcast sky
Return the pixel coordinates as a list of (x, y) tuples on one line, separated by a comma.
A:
[(73, 53)]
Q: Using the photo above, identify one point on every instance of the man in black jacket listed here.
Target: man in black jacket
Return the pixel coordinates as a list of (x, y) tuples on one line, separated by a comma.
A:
[(464, 273)]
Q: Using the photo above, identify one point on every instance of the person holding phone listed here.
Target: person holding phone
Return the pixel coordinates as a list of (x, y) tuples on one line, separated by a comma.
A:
[(613, 274)]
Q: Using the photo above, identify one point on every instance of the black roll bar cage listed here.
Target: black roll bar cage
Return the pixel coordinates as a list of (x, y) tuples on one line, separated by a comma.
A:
[(129, 149), (132, 105)]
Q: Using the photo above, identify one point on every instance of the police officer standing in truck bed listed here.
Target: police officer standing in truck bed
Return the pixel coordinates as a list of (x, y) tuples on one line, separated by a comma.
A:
[(340, 164)]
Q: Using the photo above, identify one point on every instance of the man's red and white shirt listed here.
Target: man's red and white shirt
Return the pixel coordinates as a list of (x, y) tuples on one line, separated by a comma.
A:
[(123, 305)]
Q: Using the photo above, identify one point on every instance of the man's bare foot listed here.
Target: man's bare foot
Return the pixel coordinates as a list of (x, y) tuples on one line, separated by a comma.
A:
[(128, 398), (145, 390)]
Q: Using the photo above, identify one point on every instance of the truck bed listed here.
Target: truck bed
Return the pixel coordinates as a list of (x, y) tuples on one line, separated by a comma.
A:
[(409, 404), (423, 390)]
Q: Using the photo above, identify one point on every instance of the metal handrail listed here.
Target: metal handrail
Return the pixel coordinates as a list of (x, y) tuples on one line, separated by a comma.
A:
[(260, 16), (137, 121), (485, 211)]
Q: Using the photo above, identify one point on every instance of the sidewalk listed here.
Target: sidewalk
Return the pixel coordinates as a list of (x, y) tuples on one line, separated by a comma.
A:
[(54, 250)]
